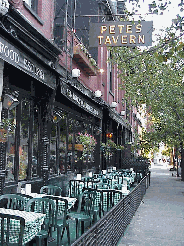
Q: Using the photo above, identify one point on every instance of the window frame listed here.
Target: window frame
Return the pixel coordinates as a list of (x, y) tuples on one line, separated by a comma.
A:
[(33, 9)]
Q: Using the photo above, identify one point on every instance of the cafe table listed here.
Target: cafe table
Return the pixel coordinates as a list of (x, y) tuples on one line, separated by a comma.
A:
[(61, 204), (33, 223)]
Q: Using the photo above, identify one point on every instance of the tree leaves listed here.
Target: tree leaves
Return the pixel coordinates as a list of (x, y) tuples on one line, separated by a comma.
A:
[(155, 77)]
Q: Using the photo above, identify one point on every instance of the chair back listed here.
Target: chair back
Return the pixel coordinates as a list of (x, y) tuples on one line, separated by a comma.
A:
[(61, 208), (75, 187), (6, 224), (51, 190), (45, 206), (26, 199), (13, 201), (87, 202)]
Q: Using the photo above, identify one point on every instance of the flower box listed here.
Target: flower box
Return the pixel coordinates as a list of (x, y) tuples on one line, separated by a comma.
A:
[(78, 147), (3, 135), (83, 61)]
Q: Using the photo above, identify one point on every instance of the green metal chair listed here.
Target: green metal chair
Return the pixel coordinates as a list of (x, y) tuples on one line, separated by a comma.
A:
[(96, 206), (13, 201), (75, 187), (61, 218), (44, 206), (26, 199), (5, 237), (51, 190), (85, 211)]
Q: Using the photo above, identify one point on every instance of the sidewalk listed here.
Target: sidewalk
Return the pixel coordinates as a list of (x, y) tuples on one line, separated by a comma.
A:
[(159, 220)]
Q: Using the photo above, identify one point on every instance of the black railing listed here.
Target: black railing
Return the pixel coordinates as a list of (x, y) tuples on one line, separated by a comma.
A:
[(111, 227)]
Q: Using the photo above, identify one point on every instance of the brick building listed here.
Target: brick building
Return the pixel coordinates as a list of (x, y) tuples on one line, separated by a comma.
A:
[(46, 102)]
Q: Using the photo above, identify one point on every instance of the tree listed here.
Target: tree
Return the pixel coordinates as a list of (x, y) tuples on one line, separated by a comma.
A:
[(154, 77)]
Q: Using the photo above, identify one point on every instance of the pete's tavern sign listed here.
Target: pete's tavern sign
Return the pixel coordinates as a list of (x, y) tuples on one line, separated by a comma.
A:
[(123, 33)]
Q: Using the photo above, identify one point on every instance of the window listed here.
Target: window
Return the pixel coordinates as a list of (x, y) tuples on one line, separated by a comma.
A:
[(28, 2), (33, 4), (24, 134), (9, 126)]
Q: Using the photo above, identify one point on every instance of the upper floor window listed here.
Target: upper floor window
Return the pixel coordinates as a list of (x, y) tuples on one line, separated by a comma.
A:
[(33, 4)]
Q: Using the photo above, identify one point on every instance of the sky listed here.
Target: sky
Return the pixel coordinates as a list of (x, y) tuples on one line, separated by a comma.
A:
[(159, 21)]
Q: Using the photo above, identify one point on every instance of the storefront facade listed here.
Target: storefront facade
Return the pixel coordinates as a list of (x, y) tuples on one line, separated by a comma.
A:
[(28, 85), (76, 114)]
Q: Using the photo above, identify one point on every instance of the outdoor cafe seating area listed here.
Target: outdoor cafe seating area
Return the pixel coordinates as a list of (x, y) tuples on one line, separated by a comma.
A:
[(29, 218)]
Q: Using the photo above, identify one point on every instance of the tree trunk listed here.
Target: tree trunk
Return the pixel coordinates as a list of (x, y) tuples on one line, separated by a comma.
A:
[(182, 161)]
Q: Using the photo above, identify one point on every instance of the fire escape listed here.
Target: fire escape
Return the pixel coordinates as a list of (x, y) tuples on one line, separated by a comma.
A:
[(72, 18)]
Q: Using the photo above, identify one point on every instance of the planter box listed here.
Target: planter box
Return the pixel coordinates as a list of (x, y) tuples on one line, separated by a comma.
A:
[(83, 61), (78, 147), (3, 135)]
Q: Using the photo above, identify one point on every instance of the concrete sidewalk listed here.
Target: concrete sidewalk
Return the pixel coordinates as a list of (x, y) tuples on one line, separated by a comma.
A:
[(159, 220)]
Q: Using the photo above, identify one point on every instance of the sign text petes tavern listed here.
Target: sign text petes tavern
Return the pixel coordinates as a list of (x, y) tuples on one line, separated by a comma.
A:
[(124, 33)]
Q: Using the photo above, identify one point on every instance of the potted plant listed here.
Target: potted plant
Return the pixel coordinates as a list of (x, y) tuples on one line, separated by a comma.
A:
[(88, 142), (109, 147)]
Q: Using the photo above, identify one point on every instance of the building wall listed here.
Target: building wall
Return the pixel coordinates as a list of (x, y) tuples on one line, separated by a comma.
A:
[(45, 13), (44, 23)]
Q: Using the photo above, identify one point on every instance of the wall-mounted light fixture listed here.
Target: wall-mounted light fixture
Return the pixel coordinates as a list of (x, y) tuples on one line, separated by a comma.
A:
[(98, 93), (4, 7), (56, 117), (10, 102), (75, 73), (109, 135), (122, 113), (101, 70), (113, 104)]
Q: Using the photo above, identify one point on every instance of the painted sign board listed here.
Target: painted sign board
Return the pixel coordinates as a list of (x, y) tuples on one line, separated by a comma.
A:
[(80, 101), (21, 60), (121, 33), (78, 147)]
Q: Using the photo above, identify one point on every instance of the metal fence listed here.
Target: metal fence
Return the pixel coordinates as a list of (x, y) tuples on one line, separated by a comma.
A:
[(111, 227)]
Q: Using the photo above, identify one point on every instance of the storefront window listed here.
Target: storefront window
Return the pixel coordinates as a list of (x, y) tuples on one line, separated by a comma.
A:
[(9, 129), (24, 130), (72, 156), (34, 168), (27, 140), (62, 145), (58, 143), (52, 161)]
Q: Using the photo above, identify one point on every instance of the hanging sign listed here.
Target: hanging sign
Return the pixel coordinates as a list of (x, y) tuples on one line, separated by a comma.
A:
[(121, 33)]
